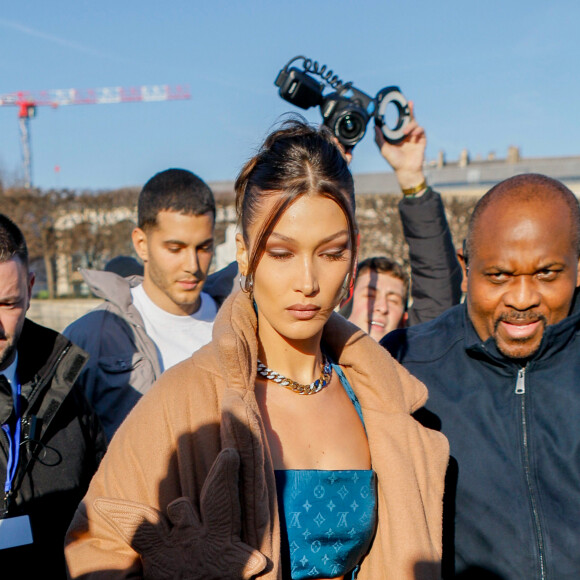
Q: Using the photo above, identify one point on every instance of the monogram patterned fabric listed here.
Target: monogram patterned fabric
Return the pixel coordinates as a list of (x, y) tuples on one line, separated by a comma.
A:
[(329, 518)]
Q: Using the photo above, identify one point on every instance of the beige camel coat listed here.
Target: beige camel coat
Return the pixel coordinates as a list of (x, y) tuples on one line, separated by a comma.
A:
[(225, 522)]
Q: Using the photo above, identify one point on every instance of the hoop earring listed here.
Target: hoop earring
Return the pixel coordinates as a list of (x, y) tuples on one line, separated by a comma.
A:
[(250, 284), (345, 287), (247, 285), (347, 291)]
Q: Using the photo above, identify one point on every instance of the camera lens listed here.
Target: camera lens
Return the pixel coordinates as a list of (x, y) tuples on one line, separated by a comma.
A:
[(350, 127)]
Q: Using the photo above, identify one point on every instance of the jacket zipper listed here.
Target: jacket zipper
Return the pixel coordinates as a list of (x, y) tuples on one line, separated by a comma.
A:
[(521, 390)]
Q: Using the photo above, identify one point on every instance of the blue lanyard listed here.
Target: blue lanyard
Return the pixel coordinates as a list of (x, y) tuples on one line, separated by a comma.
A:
[(14, 443)]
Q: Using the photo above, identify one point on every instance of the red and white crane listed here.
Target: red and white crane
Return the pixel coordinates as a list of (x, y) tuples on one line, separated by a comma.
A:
[(27, 101)]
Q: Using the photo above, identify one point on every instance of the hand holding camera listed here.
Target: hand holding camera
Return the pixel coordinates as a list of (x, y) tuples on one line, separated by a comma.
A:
[(408, 155)]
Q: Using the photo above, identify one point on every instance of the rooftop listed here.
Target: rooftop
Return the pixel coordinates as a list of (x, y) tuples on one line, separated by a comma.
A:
[(468, 177)]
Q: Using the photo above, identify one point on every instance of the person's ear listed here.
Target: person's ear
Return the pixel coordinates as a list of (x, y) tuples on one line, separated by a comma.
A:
[(578, 274), (139, 238), (463, 264), (404, 320), (31, 278), (242, 255)]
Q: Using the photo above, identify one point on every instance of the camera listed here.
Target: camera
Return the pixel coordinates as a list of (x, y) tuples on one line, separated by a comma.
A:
[(347, 110)]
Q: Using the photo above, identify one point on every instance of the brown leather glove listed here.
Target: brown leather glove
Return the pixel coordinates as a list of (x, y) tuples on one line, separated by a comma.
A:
[(185, 545)]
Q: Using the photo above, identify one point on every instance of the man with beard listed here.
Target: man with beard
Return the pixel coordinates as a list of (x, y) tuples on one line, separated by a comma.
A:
[(50, 441), (504, 386), (148, 324)]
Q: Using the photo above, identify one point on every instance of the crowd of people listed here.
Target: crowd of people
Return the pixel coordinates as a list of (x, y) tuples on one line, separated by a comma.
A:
[(300, 413)]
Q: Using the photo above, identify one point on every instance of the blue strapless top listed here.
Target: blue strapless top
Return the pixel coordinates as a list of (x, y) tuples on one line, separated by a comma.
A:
[(328, 518)]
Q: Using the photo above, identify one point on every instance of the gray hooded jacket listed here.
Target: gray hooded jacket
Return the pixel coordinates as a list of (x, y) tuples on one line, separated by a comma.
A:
[(123, 361)]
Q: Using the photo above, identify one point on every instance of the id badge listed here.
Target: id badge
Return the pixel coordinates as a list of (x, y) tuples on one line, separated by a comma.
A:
[(15, 532)]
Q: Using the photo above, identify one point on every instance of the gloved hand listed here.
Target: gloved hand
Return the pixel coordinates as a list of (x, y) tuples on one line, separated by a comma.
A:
[(188, 545)]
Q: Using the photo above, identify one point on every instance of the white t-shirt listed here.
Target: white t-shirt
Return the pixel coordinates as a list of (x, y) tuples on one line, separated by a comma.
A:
[(176, 337)]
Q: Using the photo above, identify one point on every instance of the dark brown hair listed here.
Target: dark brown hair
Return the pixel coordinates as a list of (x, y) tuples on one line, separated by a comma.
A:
[(176, 190), (296, 159), (380, 265), (384, 265), (12, 242)]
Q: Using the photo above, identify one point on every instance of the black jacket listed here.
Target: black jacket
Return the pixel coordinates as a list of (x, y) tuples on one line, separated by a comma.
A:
[(62, 445), (435, 271), (514, 478)]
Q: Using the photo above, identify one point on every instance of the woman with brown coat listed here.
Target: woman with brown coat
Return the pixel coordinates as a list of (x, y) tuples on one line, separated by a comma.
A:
[(284, 449)]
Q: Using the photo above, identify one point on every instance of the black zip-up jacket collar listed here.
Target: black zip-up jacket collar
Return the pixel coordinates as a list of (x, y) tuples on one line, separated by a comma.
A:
[(42, 354)]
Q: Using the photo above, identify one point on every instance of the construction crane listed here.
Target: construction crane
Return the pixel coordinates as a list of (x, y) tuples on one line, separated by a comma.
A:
[(27, 101)]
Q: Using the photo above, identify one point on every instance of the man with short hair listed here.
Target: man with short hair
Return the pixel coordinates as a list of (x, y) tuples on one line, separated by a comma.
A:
[(503, 378), (51, 441), (149, 324), (379, 300)]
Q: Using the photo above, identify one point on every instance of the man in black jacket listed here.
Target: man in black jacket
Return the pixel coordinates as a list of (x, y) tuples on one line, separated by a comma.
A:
[(503, 374), (50, 441)]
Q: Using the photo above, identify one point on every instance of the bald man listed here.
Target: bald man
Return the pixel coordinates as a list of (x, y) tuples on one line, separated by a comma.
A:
[(503, 374)]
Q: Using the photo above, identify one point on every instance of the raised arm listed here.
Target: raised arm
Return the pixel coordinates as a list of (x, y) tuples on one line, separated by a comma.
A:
[(435, 271)]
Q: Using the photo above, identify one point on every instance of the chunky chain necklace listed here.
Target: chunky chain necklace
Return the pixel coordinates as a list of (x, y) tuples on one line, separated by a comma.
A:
[(310, 389)]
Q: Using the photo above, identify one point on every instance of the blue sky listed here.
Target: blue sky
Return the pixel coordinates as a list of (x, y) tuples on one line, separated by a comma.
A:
[(483, 75)]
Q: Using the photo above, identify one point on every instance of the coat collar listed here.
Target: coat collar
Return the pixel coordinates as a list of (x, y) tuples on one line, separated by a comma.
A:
[(45, 359), (235, 331)]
